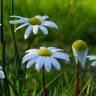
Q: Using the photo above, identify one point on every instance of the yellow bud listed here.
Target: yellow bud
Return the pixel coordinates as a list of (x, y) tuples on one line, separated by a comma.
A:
[(79, 45)]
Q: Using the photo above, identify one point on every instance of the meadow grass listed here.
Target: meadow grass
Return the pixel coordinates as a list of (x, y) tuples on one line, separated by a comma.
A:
[(76, 20)]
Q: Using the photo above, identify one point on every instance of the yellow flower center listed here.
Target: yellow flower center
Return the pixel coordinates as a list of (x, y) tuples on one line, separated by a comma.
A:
[(34, 21), (79, 45), (44, 52)]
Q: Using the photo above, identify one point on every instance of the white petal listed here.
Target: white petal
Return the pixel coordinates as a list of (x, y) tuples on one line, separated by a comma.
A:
[(42, 17), (91, 57), (25, 20), (31, 62), (53, 49), (47, 64), (28, 57), (81, 56), (45, 17), (35, 29), (94, 64), (23, 25), (43, 47), (39, 63), (56, 50), (38, 16), (22, 20), (0, 24), (15, 21), (27, 32), (44, 29), (61, 55), (2, 76), (32, 51), (17, 16), (50, 24), (55, 63), (1, 67)]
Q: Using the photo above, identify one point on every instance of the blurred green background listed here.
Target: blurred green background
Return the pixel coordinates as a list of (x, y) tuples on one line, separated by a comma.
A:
[(76, 19)]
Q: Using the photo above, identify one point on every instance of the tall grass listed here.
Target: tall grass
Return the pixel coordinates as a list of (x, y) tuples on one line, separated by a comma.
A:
[(18, 63), (3, 53)]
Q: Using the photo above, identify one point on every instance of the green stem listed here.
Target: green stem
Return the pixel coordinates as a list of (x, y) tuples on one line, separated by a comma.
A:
[(29, 44), (18, 63), (52, 81), (1, 89), (5, 83), (2, 34), (43, 82), (14, 40), (77, 78)]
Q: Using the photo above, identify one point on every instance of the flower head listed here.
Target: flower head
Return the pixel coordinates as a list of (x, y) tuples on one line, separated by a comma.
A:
[(80, 50), (2, 76), (44, 56), (33, 24)]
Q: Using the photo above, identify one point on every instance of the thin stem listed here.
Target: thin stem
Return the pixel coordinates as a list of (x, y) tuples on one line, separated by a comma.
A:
[(43, 82), (5, 83), (18, 69), (29, 44), (77, 78), (1, 89), (2, 34), (15, 45)]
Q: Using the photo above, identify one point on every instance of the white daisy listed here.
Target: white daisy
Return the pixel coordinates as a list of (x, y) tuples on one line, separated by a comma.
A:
[(2, 76), (44, 56), (80, 51), (33, 24), (93, 58)]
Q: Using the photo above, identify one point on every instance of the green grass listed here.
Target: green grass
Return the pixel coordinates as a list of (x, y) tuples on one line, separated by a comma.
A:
[(76, 20)]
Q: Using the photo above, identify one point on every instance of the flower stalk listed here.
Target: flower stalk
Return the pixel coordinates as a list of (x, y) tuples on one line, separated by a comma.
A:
[(5, 83), (2, 37), (18, 69), (13, 36), (77, 78), (43, 82)]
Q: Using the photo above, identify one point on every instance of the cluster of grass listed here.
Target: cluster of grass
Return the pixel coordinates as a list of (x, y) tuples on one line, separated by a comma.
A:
[(76, 20)]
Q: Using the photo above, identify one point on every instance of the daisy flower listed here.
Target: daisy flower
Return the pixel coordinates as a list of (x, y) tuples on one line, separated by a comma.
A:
[(80, 51), (33, 24), (44, 57), (93, 58), (2, 76)]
